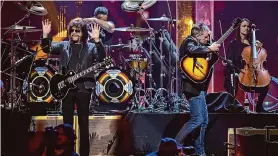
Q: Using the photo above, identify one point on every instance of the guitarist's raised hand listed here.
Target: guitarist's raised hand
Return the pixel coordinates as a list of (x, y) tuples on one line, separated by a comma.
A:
[(214, 47), (46, 27)]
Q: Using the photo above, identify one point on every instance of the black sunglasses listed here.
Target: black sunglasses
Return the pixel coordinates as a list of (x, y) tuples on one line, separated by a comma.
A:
[(76, 30)]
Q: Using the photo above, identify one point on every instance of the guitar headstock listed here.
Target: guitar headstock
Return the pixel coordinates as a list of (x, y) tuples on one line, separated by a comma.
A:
[(108, 61), (236, 22)]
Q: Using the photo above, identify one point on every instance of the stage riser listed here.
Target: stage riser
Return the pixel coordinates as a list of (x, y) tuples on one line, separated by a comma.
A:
[(148, 129)]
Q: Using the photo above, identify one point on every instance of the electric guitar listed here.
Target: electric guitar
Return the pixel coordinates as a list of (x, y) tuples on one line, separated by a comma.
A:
[(61, 84), (197, 69)]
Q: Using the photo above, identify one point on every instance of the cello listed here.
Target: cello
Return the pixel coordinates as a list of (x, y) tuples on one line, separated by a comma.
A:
[(254, 77)]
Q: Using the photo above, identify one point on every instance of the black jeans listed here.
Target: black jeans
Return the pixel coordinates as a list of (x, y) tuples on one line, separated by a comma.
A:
[(82, 100)]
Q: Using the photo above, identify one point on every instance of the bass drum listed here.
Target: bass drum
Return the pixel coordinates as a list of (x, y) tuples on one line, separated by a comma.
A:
[(114, 86), (39, 87), (271, 100)]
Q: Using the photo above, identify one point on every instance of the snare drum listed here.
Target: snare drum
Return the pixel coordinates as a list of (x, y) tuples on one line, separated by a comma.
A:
[(137, 62), (114, 86), (54, 62)]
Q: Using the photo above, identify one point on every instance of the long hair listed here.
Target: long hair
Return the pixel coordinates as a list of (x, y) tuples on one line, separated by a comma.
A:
[(78, 22), (249, 36)]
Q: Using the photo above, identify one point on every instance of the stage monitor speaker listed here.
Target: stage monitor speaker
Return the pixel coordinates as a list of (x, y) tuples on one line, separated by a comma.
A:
[(251, 142), (102, 130), (46, 121)]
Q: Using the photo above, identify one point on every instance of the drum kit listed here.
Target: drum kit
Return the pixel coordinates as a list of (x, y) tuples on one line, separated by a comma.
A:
[(121, 84), (137, 84), (24, 72)]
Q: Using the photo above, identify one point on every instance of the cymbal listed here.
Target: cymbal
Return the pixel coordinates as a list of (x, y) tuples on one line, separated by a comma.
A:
[(18, 27), (135, 5), (33, 7), (131, 29), (25, 31), (118, 45), (163, 18)]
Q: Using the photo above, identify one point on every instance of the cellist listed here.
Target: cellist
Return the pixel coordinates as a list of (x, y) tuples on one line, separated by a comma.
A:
[(243, 39)]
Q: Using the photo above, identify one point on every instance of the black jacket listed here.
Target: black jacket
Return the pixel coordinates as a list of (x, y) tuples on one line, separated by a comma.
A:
[(91, 53), (193, 48)]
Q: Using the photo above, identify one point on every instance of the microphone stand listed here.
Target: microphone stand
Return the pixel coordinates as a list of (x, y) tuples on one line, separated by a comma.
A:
[(234, 69)]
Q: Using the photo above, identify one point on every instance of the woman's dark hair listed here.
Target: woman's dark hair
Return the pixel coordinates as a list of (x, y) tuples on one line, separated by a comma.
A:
[(249, 37), (78, 22)]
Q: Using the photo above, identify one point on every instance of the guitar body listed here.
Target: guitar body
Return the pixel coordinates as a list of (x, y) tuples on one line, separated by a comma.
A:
[(198, 69), (59, 87)]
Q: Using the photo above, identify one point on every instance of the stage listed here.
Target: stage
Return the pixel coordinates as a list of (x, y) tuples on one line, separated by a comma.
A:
[(149, 128)]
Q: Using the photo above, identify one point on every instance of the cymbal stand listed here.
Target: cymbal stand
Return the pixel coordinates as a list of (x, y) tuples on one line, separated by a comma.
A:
[(160, 101), (149, 91), (25, 16), (171, 70), (12, 98)]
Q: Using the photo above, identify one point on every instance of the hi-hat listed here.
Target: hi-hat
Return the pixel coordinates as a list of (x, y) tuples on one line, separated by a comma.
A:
[(163, 18), (131, 29), (33, 7), (136, 5)]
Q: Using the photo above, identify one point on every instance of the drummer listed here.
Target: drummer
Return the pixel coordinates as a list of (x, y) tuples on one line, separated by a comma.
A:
[(101, 18)]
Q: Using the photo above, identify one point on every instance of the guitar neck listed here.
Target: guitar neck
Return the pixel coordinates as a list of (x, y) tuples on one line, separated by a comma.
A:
[(223, 37), (84, 72)]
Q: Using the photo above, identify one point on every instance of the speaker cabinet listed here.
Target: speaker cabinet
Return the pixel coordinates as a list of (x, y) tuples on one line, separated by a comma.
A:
[(45, 121), (251, 141), (102, 130)]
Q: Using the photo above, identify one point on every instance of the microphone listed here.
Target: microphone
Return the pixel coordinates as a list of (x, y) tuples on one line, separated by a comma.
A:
[(253, 26)]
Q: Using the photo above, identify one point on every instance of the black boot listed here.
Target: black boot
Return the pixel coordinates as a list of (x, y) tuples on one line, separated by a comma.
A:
[(260, 109)]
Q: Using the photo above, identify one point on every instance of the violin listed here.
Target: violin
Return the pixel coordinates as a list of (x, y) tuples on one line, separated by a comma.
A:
[(254, 77)]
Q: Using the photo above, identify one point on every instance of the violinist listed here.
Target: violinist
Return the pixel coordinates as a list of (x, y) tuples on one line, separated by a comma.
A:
[(243, 39)]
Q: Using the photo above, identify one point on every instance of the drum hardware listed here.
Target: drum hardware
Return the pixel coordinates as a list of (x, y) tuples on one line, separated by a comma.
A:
[(149, 92), (134, 6), (163, 18), (33, 7), (30, 7)]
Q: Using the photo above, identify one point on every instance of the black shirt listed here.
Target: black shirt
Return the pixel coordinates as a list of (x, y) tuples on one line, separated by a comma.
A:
[(76, 65), (234, 51)]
